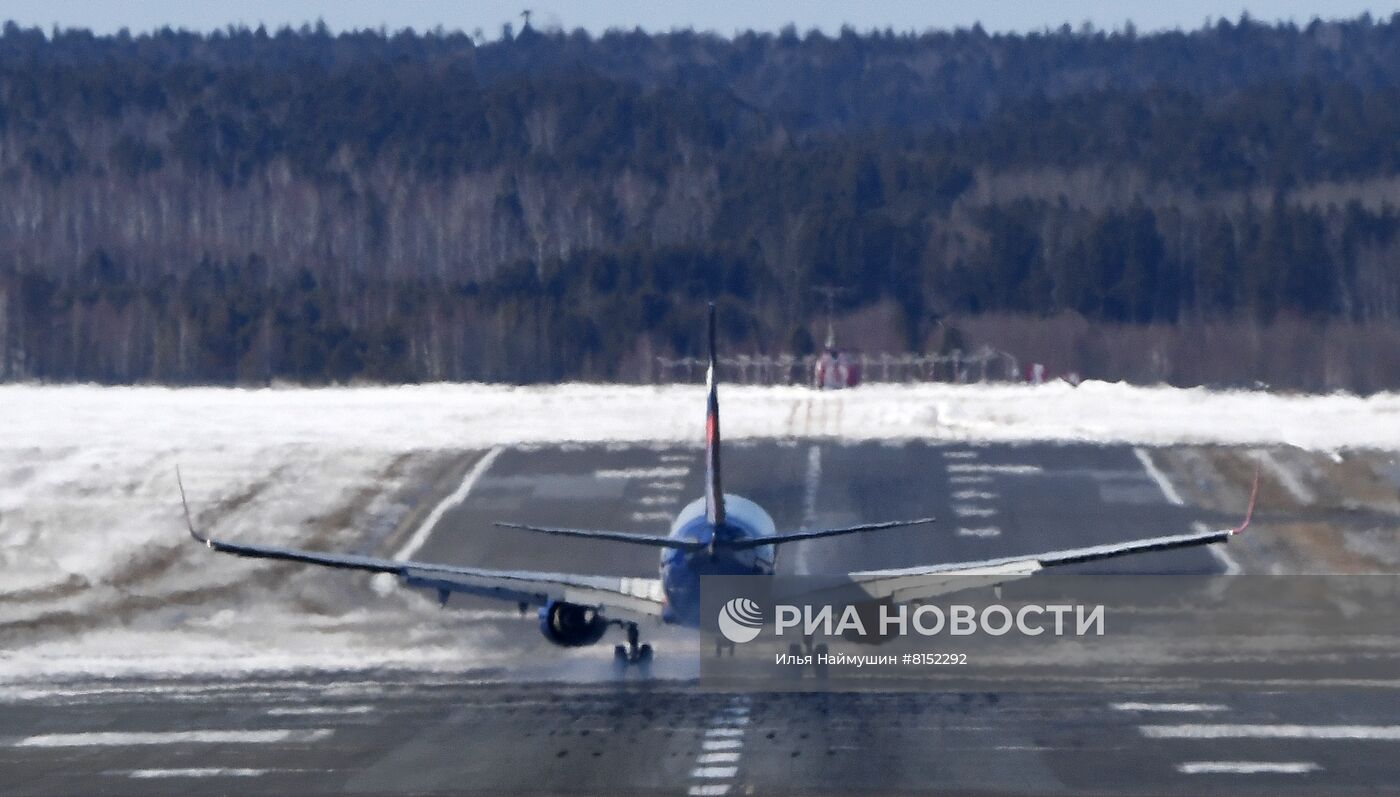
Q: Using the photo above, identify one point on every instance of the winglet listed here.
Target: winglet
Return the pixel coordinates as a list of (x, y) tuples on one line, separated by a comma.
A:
[(189, 522), (1253, 497)]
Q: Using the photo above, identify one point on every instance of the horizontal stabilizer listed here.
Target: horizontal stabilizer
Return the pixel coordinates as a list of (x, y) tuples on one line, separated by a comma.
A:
[(798, 536), (612, 536)]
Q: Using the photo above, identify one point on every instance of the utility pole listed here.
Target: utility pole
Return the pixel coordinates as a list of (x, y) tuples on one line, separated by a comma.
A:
[(526, 16)]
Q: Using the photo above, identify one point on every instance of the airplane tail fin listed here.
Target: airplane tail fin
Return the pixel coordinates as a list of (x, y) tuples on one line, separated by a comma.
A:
[(714, 492)]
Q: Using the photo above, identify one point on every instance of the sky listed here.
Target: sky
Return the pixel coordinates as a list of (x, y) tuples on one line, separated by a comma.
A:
[(722, 16)]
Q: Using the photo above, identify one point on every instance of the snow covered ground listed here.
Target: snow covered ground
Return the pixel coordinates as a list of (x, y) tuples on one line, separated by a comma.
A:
[(97, 575)]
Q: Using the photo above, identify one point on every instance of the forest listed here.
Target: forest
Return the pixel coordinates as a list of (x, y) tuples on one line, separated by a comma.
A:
[(1217, 206)]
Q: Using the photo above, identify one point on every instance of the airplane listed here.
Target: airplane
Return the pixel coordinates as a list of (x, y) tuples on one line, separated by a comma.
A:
[(718, 533)]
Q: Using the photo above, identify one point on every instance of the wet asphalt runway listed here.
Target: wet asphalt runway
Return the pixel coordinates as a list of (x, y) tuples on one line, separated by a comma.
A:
[(561, 724)]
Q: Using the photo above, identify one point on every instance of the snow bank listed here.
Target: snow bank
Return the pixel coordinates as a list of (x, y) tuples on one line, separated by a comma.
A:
[(475, 416)]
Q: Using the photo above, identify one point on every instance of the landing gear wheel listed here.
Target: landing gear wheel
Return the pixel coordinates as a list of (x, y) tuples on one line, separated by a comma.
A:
[(632, 653)]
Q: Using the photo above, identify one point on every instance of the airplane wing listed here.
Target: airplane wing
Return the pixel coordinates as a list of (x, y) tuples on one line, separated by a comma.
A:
[(614, 596), (922, 583)]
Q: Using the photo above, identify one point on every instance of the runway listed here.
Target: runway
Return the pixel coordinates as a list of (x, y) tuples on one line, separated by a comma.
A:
[(392, 733), (561, 722)]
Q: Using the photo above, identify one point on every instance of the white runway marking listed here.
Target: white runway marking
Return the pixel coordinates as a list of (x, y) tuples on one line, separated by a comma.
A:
[(665, 485), (714, 772), (970, 479), (200, 772), (813, 481), (960, 454), (1286, 477), (1375, 733), (720, 744), (1246, 767), (1158, 476), (647, 517), (298, 711), (1169, 707), (984, 531), (963, 510), (641, 473), (678, 457), (455, 499), (656, 500), (135, 738), (1232, 568), (973, 495), (811, 489), (1009, 470)]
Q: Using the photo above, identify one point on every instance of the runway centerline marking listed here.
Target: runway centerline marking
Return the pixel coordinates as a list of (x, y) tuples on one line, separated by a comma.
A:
[(135, 738), (966, 479), (1381, 733), (1009, 470), (1246, 767), (455, 499), (811, 489), (721, 750), (984, 531), (974, 495), (720, 744), (963, 510), (714, 772), (1158, 476)]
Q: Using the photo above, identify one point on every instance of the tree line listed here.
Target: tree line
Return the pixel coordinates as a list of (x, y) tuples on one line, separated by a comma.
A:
[(248, 206)]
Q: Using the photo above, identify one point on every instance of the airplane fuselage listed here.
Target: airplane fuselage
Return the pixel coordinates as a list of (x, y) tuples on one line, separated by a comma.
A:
[(681, 570)]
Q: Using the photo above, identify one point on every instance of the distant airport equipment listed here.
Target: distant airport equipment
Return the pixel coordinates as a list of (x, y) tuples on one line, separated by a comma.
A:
[(836, 370), (982, 365), (719, 533)]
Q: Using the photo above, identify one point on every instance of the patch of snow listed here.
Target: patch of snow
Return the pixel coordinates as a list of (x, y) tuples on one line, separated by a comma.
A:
[(100, 576)]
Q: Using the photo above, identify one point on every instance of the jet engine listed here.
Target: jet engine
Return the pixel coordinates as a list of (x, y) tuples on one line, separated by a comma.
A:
[(571, 625)]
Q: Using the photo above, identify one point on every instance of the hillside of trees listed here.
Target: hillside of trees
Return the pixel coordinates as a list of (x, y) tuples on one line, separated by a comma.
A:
[(1218, 206)]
